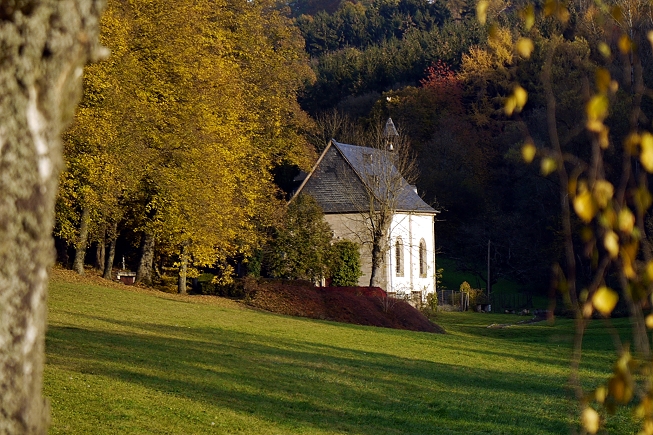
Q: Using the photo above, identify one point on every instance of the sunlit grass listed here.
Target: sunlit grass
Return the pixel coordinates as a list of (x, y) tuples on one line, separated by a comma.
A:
[(125, 362)]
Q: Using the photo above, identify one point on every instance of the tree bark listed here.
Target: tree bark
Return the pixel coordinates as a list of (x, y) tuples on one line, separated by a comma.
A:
[(99, 252), (80, 246), (44, 45), (144, 272), (111, 252), (183, 266), (61, 247), (379, 236), (377, 263)]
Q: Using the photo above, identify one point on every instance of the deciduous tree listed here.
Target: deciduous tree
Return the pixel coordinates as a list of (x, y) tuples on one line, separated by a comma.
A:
[(390, 170), (603, 185), (184, 127), (45, 45)]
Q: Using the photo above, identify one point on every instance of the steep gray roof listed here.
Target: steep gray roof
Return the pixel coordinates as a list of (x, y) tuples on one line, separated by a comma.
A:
[(344, 174)]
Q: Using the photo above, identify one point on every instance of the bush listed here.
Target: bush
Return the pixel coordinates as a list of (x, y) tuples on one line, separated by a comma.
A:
[(255, 264), (345, 264), (301, 244), (476, 296), (430, 308), (167, 284), (206, 285)]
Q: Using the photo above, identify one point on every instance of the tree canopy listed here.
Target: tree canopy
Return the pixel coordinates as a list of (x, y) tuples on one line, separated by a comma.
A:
[(178, 133), (301, 245)]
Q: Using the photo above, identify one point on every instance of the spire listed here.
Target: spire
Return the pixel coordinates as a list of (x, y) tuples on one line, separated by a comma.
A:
[(390, 134)]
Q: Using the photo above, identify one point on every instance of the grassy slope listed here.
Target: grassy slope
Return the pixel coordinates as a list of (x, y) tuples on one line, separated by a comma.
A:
[(128, 362)]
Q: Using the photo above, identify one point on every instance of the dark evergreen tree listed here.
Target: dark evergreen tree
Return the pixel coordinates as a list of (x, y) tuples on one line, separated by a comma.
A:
[(345, 265), (300, 246)]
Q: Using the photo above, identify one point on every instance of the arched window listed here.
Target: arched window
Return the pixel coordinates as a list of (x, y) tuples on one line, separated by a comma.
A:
[(399, 257), (422, 259)]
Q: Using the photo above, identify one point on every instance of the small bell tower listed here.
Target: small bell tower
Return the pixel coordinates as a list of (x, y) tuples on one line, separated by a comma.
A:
[(390, 134)]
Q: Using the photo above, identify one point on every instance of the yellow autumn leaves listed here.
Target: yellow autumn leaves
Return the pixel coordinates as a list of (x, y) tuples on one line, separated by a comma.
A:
[(516, 101), (597, 111), (591, 420), (525, 47), (528, 152), (588, 202), (195, 107), (618, 232), (613, 219), (604, 300)]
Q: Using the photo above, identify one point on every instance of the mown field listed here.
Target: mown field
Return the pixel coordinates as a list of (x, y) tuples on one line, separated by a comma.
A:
[(121, 362)]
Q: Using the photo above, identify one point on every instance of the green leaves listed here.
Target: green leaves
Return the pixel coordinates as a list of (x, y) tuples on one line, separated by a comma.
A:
[(301, 245), (345, 263)]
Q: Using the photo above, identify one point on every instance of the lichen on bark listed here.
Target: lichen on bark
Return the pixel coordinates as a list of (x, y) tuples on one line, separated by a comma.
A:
[(44, 45)]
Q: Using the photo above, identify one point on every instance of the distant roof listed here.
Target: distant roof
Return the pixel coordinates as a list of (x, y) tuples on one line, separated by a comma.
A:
[(344, 175)]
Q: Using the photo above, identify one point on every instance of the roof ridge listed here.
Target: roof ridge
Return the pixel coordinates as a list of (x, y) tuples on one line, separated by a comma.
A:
[(409, 201), (308, 176)]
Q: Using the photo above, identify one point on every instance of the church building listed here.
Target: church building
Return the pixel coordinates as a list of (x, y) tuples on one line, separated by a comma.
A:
[(351, 183)]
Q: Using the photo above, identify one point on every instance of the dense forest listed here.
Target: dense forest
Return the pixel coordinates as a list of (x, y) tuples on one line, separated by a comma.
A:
[(188, 135)]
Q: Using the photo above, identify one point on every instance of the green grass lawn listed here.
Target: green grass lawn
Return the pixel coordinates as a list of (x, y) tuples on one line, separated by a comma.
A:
[(121, 362), (452, 278)]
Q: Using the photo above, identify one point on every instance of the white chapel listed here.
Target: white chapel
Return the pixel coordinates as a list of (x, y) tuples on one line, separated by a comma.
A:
[(342, 182)]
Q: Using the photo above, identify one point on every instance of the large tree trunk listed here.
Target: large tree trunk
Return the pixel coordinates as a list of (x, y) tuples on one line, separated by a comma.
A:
[(144, 272), (80, 246), (99, 252), (45, 44), (183, 266), (379, 247), (376, 275), (111, 252), (61, 247)]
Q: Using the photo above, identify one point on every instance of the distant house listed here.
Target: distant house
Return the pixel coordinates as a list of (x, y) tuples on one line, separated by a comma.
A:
[(348, 181)]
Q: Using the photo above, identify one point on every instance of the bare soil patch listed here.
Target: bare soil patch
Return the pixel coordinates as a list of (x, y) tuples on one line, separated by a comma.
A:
[(357, 305)]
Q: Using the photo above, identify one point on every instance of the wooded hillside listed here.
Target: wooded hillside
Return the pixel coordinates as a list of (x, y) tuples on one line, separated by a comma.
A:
[(445, 79)]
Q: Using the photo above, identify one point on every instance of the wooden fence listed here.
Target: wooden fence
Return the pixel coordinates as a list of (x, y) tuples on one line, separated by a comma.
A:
[(511, 302), (459, 301)]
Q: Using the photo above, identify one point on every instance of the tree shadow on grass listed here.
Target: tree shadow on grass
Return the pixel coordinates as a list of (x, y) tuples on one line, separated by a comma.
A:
[(552, 344), (293, 383)]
